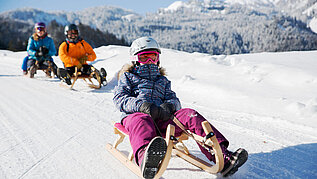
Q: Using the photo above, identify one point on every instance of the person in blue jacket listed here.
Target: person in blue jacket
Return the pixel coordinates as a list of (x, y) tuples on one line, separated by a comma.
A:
[(40, 49)]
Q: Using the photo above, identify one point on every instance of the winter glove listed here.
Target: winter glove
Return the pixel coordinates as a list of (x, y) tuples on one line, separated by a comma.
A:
[(44, 50), (168, 110), (82, 60), (156, 112), (39, 54), (150, 109)]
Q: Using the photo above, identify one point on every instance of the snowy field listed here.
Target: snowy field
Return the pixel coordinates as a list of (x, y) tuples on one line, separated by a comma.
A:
[(265, 103)]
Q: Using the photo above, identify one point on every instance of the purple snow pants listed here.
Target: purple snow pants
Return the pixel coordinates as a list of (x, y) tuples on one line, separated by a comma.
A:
[(142, 129)]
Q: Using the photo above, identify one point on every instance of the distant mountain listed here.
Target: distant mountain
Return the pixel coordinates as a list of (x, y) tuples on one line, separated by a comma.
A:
[(99, 14), (14, 35), (31, 16), (209, 26), (304, 10), (226, 28)]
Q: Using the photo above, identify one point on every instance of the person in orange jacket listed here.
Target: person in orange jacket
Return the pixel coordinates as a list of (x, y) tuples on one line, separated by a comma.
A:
[(75, 52)]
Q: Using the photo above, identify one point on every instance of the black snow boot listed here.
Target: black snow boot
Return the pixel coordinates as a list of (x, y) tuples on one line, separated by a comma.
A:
[(103, 75), (64, 76), (153, 156), (237, 159)]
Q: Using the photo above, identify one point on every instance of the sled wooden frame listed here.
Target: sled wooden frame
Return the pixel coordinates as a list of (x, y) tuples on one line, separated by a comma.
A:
[(128, 160), (77, 75), (181, 151), (46, 71), (172, 147)]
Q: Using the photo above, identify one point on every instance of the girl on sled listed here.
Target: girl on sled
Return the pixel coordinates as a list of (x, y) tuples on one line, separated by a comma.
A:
[(148, 104)]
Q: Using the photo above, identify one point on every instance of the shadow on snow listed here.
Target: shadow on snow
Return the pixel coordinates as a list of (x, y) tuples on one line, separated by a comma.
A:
[(298, 161)]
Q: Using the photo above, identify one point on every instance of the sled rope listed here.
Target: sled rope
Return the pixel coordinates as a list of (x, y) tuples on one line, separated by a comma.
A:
[(201, 143), (156, 127)]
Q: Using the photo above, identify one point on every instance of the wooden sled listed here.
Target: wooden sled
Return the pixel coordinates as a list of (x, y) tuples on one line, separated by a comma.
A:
[(87, 78), (174, 145), (48, 71)]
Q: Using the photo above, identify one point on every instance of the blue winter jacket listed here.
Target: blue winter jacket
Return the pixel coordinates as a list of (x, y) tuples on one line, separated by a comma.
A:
[(140, 84), (34, 46)]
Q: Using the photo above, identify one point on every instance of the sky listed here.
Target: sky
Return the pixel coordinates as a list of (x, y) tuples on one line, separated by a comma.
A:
[(139, 6)]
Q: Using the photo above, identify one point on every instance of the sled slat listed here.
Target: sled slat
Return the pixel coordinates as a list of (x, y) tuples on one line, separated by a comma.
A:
[(124, 160)]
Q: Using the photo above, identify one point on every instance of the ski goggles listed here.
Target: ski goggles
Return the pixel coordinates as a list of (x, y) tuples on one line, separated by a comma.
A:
[(72, 32), (39, 29), (146, 56)]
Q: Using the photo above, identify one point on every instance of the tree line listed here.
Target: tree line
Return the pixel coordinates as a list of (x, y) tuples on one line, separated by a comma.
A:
[(234, 31), (14, 35)]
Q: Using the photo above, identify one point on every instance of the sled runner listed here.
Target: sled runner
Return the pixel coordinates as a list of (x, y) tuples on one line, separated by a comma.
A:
[(175, 145), (93, 80)]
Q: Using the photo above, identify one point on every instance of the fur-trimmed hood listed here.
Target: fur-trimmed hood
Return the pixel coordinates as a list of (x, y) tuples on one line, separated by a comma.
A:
[(36, 37), (129, 68)]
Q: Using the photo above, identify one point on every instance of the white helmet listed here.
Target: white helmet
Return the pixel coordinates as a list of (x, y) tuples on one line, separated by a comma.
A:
[(70, 27), (144, 43)]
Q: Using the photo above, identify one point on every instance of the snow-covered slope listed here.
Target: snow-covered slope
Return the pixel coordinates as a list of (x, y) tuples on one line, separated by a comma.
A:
[(265, 102), (198, 4)]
